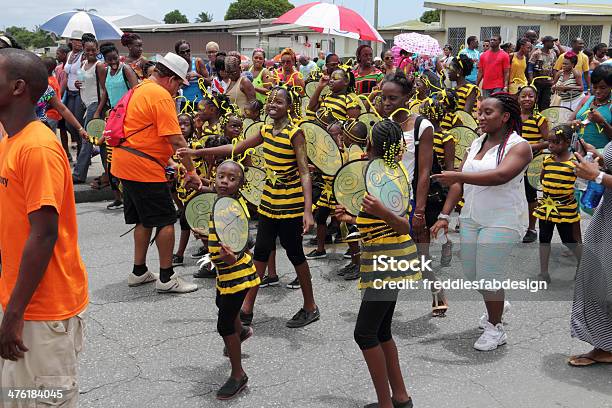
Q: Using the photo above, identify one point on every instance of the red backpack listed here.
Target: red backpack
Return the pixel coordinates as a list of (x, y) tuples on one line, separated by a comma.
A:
[(114, 132)]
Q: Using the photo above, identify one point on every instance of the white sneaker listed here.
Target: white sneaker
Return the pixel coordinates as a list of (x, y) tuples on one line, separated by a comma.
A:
[(492, 337), (484, 319), (134, 280), (175, 285)]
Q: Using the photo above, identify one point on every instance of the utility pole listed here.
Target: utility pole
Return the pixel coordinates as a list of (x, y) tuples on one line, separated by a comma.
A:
[(376, 26)]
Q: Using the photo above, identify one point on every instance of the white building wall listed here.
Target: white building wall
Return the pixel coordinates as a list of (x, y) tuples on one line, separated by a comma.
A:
[(274, 44), (509, 24)]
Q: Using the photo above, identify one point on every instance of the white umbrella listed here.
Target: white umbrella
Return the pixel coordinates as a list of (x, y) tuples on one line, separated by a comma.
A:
[(65, 24)]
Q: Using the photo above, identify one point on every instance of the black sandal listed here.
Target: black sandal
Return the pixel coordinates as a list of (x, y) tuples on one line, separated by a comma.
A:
[(232, 388)]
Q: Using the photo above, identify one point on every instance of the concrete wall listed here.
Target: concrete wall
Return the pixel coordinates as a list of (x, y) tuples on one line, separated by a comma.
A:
[(345, 47), (509, 24)]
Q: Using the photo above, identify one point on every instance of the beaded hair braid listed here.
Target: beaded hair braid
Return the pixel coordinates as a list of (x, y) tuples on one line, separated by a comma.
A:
[(387, 141), (514, 124), (292, 98)]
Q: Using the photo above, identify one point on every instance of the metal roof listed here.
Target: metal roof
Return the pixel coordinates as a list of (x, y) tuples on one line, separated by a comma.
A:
[(412, 25), (554, 9), (210, 26)]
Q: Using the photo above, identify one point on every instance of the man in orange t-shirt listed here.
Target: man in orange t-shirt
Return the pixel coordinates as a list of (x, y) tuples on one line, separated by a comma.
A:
[(43, 284), (152, 136)]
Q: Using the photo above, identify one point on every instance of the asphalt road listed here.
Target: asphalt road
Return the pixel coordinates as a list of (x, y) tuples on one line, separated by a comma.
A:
[(149, 350)]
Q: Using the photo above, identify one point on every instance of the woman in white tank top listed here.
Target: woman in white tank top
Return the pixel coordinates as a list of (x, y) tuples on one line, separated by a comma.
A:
[(494, 217)]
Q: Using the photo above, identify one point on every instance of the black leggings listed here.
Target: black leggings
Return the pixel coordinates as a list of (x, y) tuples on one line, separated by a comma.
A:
[(374, 319), (288, 230), (565, 230), (229, 307), (321, 215)]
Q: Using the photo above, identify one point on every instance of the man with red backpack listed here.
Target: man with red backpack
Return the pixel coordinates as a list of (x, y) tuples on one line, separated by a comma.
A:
[(145, 129)]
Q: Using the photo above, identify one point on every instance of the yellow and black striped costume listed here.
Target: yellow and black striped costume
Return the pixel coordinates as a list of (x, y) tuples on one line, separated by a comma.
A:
[(531, 128), (462, 94), (231, 278), (438, 145), (558, 204), (200, 167), (449, 121), (327, 198), (337, 104), (282, 196), (380, 239), (208, 131)]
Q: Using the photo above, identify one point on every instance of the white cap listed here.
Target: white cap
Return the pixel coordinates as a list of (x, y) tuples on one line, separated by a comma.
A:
[(176, 64)]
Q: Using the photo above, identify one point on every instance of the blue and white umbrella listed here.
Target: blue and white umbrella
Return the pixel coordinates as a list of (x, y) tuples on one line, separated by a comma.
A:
[(65, 24)]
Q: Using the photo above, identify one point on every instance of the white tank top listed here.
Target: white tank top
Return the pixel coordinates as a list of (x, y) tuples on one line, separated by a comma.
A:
[(502, 206), (408, 159), (89, 93)]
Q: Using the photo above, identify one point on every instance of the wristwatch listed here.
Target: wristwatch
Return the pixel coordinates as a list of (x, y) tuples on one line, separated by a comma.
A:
[(443, 217), (599, 178)]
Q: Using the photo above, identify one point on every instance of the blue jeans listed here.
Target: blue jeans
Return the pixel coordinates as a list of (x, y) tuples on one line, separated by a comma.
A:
[(84, 158), (488, 92), (75, 105)]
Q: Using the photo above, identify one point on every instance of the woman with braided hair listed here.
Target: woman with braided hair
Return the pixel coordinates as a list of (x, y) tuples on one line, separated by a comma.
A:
[(135, 60), (490, 179), (285, 210), (385, 233), (467, 93)]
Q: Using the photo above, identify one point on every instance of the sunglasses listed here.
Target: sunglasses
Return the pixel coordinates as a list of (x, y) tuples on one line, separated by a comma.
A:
[(388, 58), (187, 51)]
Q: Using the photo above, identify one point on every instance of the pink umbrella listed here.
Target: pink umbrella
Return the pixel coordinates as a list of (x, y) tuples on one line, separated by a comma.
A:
[(418, 43), (325, 17)]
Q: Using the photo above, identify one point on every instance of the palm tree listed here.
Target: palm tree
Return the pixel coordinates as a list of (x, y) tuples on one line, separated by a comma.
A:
[(204, 17)]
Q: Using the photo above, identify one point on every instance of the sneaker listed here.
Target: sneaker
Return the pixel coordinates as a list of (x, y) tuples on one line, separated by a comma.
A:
[(352, 274), (177, 260), (348, 254), (294, 284), (338, 238), (246, 318), (314, 254), (115, 205), (245, 334), (134, 280), (493, 337), (447, 254), (269, 281), (175, 285), (484, 319), (206, 269), (303, 318), (232, 388), (328, 240), (199, 253), (344, 270), (530, 236)]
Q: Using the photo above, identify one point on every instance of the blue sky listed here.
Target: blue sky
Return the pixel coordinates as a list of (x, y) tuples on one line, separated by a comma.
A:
[(34, 12)]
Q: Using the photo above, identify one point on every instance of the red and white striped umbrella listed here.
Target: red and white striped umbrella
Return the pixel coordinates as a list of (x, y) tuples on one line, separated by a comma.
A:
[(330, 18)]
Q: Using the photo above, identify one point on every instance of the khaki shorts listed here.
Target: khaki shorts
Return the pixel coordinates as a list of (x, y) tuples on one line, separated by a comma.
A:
[(50, 364)]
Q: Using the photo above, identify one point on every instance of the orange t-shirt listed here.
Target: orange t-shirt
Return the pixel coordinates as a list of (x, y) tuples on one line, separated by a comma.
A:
[(153, 106), (52, 113), (34, 172)]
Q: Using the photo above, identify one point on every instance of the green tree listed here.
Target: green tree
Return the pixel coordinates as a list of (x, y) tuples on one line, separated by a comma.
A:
[(31, 38), (430, 16), (204, 17), (175, 17), (247, 9)]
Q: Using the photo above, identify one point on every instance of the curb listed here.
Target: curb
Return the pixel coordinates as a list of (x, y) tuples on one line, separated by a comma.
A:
[(83, 193)]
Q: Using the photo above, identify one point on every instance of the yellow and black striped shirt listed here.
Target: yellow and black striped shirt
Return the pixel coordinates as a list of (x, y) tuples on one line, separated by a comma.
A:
[(379, 238), (337, 104), (558, 204), (462, 94), (231, 278), (200, 167), (440, 138), (282, 196), (449, 121), (531, 128)]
